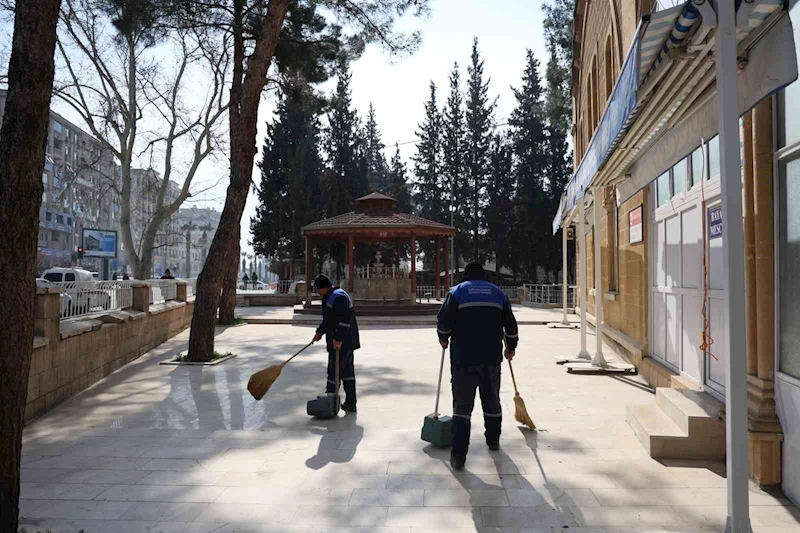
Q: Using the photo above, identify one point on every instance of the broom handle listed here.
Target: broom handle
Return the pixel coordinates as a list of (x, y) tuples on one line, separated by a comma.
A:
[(337, 375), (513, 379), (298, 353), (439, 387)]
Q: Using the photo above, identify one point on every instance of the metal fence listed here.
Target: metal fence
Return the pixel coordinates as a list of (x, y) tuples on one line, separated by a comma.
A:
[(550, 295), (512, 292), (384, 272), (162, 290), (428, 292), (82, 298), (191, 286)]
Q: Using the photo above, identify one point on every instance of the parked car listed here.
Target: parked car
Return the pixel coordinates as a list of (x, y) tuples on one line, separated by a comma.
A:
[(253, 286), (64, 298), (86, 295)]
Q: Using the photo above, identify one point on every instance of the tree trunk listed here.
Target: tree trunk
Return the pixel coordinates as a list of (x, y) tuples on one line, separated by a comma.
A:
[(245, 97), (22, 151), (227, 307)]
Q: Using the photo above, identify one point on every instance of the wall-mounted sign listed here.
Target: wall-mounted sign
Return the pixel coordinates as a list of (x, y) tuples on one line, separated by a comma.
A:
[(99, 243), (636, 224), (715, 222)]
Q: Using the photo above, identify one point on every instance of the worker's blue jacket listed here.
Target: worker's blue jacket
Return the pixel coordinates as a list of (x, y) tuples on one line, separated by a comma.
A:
[(339, 321), (477, 316)]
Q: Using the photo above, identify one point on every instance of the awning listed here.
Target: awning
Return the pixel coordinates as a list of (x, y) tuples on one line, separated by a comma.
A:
[(765, 73), (674, 94), (657, 34)]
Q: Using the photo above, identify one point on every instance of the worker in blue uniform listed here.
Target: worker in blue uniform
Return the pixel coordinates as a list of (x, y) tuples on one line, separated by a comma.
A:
[(475, 320), (340, 328)]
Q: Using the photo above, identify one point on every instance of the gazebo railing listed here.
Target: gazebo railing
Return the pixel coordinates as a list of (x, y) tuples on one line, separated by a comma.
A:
[(385, 272)]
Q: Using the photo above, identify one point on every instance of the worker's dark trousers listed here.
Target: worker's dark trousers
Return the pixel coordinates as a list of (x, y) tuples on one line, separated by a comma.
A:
[(347, 370), (485, 378)]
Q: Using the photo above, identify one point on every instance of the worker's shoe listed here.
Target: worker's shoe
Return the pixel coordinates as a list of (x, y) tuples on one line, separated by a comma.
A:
[(494, 446), (457, 462), (349, 407)]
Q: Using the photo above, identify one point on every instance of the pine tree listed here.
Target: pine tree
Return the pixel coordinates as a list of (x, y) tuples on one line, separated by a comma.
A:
[(479, 122), (529, 140), (398, 183), (500, 211), (289, 196), (454, 143), (429, 190), (344, 177), (377, 169)]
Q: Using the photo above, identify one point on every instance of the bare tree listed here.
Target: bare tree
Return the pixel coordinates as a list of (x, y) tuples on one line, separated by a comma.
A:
[(117, 77), (22, 148)]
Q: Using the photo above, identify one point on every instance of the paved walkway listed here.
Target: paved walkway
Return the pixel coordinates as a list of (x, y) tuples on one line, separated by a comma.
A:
[(187, 450), (525, 315)]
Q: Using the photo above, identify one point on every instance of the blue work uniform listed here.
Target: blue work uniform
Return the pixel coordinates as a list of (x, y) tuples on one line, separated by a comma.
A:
[(476, 317), (339, 323)]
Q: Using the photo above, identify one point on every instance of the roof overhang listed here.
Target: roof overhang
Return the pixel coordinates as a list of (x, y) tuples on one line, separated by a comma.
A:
[(650, 124)]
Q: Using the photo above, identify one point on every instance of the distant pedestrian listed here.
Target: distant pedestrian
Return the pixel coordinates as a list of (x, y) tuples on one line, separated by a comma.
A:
[(477, 317), (167, 275), (125, 276), (245, 280), (114, 276), (254, 278)]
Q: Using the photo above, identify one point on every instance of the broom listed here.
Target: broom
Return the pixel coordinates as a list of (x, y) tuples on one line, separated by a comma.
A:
[(520, 412), (261, 381)]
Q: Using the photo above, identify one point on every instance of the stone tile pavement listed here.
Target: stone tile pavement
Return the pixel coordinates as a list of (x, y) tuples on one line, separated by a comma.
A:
[(187, 450)]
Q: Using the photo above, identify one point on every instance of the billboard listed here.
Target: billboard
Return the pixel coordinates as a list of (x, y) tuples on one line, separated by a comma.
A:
[(99, 243)]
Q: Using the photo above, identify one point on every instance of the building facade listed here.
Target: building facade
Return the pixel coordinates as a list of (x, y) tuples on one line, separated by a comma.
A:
[(197, 227), (647, 158)]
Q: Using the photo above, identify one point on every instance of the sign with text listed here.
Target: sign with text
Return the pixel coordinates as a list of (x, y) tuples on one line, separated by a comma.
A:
[(636, 225), (715, 222), (99, 243)]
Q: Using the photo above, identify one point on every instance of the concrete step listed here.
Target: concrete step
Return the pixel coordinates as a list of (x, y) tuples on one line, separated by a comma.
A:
[(653, 428), (682, 429), (695, 412)]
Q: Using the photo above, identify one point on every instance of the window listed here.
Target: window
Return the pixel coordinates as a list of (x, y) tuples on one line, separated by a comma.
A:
[(713, 158), (663, 193), (788, 116), (60, 219), (57, 126), (69, 276), (697, 167), (679, 175), (69, 221), (48, 216), (595, 90), (44, 180), (58, 144), (55, 277), (609, 68)]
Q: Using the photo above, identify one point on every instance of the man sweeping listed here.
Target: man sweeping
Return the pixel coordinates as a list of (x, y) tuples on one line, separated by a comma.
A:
[(477, 317), (341, 333)]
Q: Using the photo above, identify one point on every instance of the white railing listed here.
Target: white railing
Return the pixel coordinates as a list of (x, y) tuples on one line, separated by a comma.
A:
[(191, 286), (429, 293), (511, 291), (82, 298), (549, 295), (162, 290), (384, 272)]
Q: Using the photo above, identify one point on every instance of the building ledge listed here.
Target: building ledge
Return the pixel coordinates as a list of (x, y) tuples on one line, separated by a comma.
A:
[(611, 295), (156, 309)]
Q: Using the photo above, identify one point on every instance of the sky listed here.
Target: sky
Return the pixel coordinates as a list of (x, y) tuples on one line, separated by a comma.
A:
[(399, 87)]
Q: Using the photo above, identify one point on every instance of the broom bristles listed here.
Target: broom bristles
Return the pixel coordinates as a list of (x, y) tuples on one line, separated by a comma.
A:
[(521, 413), (261, 381)]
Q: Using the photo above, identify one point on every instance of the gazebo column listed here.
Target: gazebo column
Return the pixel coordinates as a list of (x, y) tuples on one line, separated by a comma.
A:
[(309, 270), (351, 267), (447, 283), (413, 255), (436, 270)]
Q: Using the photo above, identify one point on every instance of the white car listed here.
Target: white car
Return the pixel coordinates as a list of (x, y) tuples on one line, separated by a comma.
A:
[(85, 296), (65, 299), (253, 286)]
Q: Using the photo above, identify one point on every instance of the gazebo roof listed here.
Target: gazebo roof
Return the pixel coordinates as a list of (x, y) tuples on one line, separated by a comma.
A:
[(375, 216)]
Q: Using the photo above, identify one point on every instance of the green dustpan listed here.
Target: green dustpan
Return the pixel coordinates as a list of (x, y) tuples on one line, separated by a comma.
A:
[(438, 430)]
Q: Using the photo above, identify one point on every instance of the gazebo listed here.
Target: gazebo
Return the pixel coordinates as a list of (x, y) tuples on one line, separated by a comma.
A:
[(376, 220)]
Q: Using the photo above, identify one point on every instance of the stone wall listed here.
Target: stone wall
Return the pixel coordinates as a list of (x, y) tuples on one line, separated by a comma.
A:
[(382, 289), (70, 355)]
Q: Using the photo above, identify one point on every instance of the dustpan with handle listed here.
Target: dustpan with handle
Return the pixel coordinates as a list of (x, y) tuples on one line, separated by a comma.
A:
[(326, 405), (438, 430)]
